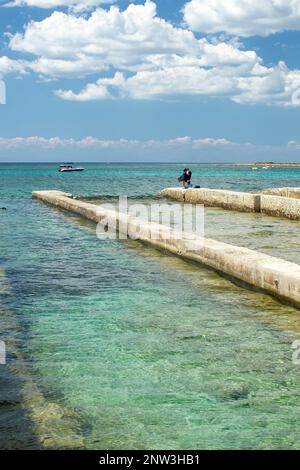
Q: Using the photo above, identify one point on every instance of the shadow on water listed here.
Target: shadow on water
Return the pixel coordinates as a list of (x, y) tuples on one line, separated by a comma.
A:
[(16, 426), (28, 418)]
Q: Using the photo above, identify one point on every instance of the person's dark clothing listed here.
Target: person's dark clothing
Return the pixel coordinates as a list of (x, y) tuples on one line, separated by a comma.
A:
[(186, 176)]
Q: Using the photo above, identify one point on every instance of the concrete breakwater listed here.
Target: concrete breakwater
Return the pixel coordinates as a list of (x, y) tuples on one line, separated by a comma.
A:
[(233, 200), (272, 275), (282, 192), (280, 203)]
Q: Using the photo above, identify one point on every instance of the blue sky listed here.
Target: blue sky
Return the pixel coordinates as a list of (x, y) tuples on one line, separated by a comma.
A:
[(164, 80)]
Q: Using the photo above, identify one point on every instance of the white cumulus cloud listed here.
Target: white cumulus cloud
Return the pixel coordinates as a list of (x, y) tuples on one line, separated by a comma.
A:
[(262, 85), (124, 39), (8, 65), (77, 5), (242, 17), (138, 55)]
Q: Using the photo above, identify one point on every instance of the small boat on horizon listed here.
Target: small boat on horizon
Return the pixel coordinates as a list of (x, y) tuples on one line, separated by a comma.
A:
[(67, 167)]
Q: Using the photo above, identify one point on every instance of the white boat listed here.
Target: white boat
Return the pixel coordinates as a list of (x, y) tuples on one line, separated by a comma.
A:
[(66, 167)]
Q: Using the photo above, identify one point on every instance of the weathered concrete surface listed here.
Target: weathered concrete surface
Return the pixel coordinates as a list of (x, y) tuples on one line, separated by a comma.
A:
[(178, 194), (278, 202), (280, 206), (273, 275), (232, 200), (283, 192)]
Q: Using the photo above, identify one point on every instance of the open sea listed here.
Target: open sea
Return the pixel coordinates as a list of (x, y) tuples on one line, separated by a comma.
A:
[(114, 345)]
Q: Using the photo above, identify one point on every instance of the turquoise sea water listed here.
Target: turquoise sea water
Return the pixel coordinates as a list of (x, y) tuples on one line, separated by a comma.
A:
[(113, 345)]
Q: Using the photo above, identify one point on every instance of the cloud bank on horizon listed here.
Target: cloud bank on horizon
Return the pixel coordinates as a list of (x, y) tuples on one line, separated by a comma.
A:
[(89, 142), (141, 56), (176, 149)]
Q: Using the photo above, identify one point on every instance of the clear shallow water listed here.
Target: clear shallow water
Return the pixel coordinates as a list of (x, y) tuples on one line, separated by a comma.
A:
[(271, 235), (125, 347)]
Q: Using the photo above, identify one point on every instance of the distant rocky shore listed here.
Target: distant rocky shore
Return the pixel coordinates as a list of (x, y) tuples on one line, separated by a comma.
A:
[(270, 164)]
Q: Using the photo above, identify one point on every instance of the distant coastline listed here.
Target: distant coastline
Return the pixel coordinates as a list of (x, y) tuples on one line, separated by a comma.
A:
[(270, 164)]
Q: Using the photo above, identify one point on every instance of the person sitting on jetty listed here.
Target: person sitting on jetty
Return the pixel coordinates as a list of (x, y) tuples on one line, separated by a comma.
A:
[(185, 178)]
